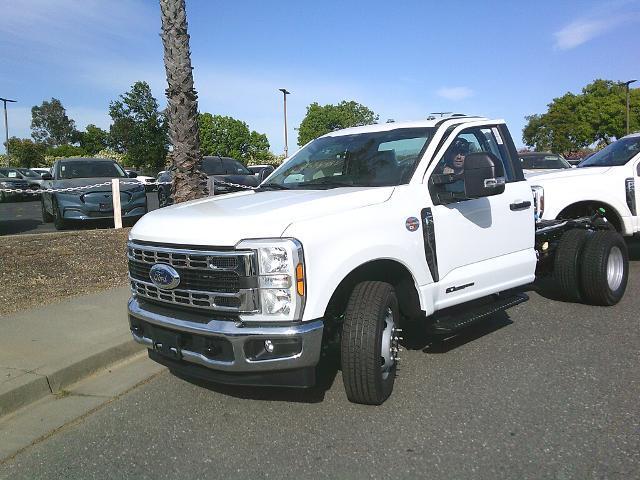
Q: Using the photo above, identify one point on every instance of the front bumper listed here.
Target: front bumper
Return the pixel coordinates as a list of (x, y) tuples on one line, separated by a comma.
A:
[(229, 352), (73, 208)]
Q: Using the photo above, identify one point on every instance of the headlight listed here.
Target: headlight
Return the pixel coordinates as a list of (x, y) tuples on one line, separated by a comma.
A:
[(281, 279), (6, 185), (538, 201)]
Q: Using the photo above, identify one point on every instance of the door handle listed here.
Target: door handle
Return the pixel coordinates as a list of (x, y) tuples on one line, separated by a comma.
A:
[(519, 205)]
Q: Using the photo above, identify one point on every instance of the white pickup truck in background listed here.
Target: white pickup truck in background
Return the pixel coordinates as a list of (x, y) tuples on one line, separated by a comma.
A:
[(606, 180), (360, 234)]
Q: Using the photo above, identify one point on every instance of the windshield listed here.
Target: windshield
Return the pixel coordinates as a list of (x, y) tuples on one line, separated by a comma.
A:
[(28, 173), (10, 172), (365, 159), (223, 166), (540, 162), (89, 169), (615, 154)]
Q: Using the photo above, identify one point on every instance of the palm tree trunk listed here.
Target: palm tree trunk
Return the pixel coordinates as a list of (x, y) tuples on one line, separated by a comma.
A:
[(182, 111)]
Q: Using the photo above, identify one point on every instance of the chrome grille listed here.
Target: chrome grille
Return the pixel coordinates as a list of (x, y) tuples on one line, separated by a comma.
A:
[(246, 300), (203, 280), (216, 280), (192, 258)]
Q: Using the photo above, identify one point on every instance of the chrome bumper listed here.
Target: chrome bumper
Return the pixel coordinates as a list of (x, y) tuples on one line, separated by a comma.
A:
[(308, 333)]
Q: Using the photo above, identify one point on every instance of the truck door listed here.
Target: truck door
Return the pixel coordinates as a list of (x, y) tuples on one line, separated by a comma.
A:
[(635, 193), (483, 245)]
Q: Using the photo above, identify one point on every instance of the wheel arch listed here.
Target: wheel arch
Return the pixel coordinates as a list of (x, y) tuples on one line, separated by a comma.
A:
[(384, 270), (586, 207)]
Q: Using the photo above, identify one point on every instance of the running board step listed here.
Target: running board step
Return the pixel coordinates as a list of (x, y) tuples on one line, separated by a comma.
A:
[(452, 323)]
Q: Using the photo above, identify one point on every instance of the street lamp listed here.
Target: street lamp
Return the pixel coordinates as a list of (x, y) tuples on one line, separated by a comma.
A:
[(6, 125), (286, 146), (627, 85)]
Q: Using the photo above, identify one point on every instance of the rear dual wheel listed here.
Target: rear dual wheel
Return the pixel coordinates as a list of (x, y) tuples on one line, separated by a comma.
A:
[(591, 266), (605, 268), (568, 264)]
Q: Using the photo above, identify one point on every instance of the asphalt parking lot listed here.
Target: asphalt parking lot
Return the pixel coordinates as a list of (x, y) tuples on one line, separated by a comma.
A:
[(19, 217), (547, 390)]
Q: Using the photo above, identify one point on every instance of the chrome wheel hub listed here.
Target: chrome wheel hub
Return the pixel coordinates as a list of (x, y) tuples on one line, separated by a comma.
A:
[(615, 268), (390, 346)]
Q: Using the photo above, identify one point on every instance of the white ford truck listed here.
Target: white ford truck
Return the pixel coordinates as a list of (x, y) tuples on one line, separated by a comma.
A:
[(360, 234), (606, 181)]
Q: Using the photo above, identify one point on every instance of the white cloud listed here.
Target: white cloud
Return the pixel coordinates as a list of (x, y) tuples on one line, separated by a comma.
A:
[(581, 31), (604, 18), (455, 93)]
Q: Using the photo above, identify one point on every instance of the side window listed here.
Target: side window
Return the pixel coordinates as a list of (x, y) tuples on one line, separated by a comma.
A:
[(474, 140)]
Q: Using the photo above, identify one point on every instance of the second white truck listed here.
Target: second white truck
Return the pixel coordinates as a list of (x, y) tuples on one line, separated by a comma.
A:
[(606, 182), (362, 233)]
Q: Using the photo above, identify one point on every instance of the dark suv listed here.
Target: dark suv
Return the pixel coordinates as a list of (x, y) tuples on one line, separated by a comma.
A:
[(223, 170)]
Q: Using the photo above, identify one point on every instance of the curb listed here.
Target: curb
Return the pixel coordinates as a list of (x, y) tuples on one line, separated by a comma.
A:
[(39, 385)]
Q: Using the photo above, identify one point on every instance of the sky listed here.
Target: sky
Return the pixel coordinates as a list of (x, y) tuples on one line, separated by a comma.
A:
[(403, 59)]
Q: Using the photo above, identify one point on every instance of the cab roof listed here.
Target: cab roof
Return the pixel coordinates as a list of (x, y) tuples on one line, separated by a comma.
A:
[(431, 121)]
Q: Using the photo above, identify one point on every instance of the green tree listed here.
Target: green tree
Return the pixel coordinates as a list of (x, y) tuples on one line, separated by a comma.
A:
[(51, 125), (24, 152), (605, 109), (229, 137), (93, 139), (573, 122), (139, 129), (66, 151), (189, 180), (324, 119)]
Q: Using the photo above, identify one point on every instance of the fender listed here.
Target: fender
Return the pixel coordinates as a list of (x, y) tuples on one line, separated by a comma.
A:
[(560, 194), (380, 235)]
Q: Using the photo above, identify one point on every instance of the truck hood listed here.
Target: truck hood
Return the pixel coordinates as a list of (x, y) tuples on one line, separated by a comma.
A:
[(227, 219), (568, 173)]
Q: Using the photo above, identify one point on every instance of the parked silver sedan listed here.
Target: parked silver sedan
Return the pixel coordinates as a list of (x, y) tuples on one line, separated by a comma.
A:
[(90, 203)]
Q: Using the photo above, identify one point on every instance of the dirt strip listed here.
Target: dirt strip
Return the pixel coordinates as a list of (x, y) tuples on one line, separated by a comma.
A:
[(43, 268)]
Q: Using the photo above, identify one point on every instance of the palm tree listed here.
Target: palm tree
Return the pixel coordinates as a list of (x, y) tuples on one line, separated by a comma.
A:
[(182, 110)]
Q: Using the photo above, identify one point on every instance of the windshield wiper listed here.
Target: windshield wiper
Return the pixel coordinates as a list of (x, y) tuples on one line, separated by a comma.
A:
[(326, 182), (272, 186)]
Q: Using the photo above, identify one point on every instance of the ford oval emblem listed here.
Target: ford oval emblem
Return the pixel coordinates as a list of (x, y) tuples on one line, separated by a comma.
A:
[(164, 276)]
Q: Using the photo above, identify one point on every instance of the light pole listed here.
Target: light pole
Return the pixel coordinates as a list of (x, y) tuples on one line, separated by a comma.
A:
[(6, 125), (286, 146), (627, 85)]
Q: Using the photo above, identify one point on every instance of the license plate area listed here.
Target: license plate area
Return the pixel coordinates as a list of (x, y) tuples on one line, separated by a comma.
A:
[(167, 343)]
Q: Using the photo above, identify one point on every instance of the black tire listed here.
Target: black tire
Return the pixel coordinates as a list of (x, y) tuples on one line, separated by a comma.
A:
[(605, 268), (568, 264), (368, 375), (46, 216), (58, 221), (162, 198)]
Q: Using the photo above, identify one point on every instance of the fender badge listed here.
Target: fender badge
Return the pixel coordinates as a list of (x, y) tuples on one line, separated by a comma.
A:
[(412, 224)]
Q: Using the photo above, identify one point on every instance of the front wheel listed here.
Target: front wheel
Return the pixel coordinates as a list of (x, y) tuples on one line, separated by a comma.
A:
[(162, 198), (46, 216), (58, 220), (369, 343), (605, 268)]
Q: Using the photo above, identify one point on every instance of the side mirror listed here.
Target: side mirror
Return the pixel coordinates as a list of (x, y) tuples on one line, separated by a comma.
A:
[(483, 175), (47, 176), (132, 175), (264, 173)]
